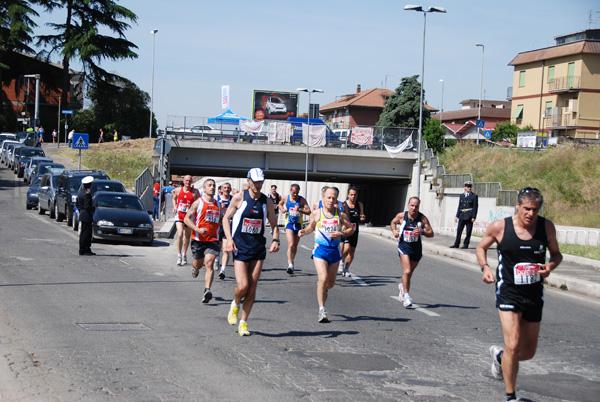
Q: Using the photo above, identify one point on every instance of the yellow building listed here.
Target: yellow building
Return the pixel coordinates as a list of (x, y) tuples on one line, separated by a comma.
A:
[(557, 89)]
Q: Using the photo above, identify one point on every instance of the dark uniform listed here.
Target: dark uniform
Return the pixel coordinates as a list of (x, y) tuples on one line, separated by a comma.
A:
[(467, 210), (86, 213)]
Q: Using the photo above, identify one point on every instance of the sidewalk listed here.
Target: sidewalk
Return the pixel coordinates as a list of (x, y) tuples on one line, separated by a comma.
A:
[(579, 275)]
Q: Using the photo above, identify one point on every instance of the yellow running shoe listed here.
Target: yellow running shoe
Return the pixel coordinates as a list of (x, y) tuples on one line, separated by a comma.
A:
[(232, 317), (243, 329)]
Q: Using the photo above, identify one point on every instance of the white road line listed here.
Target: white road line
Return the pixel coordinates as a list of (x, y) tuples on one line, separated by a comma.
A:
[(417, 308), (124, 262), (306, 248), (358, 280)]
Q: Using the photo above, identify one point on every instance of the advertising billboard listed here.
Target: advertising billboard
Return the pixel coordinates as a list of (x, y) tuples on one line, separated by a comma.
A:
[(274, 105)]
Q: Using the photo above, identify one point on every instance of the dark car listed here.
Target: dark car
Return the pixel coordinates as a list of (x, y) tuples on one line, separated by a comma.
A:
[(23, 157), (28, 172), (32, 140), (47, 193), (68, 186), (32, 193), (113, 186), (43, 167), (121, 217)]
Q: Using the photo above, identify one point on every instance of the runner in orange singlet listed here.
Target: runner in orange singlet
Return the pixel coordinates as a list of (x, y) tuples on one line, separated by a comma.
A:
[(183, 198)]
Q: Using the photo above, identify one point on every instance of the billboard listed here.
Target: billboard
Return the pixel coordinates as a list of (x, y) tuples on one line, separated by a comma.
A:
[(274, 105)]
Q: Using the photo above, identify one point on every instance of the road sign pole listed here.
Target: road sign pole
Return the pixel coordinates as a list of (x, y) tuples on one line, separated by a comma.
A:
[(80, 159)]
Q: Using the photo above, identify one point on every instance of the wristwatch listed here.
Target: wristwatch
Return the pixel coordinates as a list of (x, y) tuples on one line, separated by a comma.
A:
[(484, 265), (277, 241)]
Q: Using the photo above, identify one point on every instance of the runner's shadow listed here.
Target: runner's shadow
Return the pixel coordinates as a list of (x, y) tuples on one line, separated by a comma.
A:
[(372, 280), (326, 334), (371, 318), (431, 306)]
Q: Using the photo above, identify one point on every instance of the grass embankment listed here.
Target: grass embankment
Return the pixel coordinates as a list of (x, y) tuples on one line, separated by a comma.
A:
[(122, 160)]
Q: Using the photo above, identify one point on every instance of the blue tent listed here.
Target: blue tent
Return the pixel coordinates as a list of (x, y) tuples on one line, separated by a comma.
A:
[(228, 118)]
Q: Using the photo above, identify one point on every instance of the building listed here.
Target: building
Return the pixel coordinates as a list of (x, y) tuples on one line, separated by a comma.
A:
[(358, 109), (462, 124), (557, 89)]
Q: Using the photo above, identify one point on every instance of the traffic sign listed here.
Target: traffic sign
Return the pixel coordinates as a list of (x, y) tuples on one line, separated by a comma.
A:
[(80, 141), (67, 112), (162, 144), (487, 134), (480, 123)]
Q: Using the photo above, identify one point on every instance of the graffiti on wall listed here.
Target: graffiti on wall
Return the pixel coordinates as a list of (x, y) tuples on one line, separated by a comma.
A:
[(495, 215)]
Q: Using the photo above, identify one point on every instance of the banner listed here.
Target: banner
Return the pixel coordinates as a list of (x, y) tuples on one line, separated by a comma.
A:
[(362, 135), (395, 151), (225, 97), (251, 126), (316, 137), (274, 105), (280, 132)]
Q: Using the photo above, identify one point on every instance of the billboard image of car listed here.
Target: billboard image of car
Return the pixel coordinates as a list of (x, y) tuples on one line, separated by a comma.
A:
[(274, 105)]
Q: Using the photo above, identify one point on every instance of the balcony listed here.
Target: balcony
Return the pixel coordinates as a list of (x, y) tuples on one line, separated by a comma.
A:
[(563, 118), (565, 85)]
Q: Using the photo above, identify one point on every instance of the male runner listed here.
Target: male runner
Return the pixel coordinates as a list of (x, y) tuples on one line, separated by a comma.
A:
[(294, 205), (245, 238), (327, 222), (183, 198), (224, 199), (522, 242), (413, 224), (276, 198), (206, 214), (356, 212)]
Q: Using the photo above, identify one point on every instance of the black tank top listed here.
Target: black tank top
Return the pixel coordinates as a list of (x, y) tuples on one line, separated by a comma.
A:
[(517, 257), (353, 214)]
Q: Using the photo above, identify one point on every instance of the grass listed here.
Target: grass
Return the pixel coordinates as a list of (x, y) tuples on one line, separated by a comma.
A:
[(122, 161), (568, 176), (581, 251)]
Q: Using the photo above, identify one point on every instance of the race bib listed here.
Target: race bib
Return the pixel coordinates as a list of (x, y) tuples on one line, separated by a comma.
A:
[(293, 214), (409, 236), (527, 273), (251, 226), (354, 226), (183, 206), (329, 225), (212, 216)]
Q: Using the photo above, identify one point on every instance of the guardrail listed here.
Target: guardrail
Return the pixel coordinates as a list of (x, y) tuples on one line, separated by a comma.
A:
[(144, 180)]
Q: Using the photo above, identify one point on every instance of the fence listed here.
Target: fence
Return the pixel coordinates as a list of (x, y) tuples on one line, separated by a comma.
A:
[(485, 189), (144, 180)]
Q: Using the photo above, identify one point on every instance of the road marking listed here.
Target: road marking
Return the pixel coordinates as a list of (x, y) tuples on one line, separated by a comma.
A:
[(358, 280), (418, 308), (306, 248), (124, 262)]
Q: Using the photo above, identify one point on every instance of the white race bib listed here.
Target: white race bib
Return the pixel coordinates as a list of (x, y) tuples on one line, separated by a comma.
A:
[(212, 216), (527, 273), (409, 236), (251, 226), (183, 206), (330, 225)]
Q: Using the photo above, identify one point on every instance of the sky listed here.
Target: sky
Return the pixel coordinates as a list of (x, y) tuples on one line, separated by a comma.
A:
[(332, 45)]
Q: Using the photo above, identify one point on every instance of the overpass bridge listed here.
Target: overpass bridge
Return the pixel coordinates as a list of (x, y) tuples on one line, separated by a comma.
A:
[(381, 180)]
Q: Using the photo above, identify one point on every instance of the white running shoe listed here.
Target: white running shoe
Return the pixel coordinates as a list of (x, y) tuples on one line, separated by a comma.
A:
[(346, 273), (401, 290), (222, 273), (341, 268), (179, 259), (184, 260), (496, 365), (407, 300), (290, 269)]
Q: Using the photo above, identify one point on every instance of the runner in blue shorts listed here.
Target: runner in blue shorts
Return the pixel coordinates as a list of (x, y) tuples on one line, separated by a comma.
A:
[(327, 222), (413, 224), (294, 206)]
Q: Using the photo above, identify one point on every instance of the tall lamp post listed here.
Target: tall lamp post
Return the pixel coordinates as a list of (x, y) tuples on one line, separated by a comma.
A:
[(429, 10), (480, 88), (307, 134), (153, 32), (442, 113)]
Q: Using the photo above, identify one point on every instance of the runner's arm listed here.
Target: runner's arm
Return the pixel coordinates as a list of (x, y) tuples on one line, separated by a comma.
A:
[(555, 255), (311, 224), (348, 230), (273, 222), (397, 219), (362, 211), (427, 229), (490, 237), (305, 207), (189, 222)]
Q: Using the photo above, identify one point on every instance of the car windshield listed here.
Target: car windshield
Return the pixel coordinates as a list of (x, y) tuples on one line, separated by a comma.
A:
[(74, 184), (276, 100), (120, 201), (46, 168), (111, 187), (36, 181), (21, 135), (32, 152)]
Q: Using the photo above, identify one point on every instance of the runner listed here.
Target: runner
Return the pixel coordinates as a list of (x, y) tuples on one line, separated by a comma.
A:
[(356, 213), (246, 240), (206, 212), (294, 205), (276, 198), (183, 198), (327, 223), (413, 224), (224, 200), (522, 242)]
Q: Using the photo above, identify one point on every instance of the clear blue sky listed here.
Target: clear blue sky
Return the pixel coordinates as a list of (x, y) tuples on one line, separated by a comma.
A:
[(333, 45)]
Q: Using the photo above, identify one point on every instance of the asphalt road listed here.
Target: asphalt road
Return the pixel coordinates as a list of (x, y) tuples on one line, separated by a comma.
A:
[(129, 325)]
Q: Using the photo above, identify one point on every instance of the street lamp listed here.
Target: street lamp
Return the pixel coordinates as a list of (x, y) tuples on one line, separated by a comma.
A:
[(480, 89), (429, 10), (307, 134), (442, 113), (153, 32)]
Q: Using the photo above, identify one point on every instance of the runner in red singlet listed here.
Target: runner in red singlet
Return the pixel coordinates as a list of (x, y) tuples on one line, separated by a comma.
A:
[(183, 198)]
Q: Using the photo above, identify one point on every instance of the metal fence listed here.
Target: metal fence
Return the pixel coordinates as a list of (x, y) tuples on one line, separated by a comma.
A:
[(482, 189), (144, 180)]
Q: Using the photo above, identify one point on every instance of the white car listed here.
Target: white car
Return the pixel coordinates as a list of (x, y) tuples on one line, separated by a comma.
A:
[(275, 105)]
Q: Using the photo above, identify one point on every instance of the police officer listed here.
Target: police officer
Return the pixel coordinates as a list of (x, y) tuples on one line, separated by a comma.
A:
[(86, 213), (465, 215)]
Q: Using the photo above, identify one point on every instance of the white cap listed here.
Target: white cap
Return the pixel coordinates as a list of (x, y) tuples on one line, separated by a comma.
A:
[(256, 174), (87, 180)]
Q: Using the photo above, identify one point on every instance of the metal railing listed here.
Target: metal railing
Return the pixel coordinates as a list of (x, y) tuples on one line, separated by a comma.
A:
[(482, 189), (456, 180), (564, 83), (144, 180)]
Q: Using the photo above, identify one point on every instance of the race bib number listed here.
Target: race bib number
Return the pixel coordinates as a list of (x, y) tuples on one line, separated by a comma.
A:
[(527, 273), (183, 206), (212, 216), (251, 226), (330, 225), (409, 236), (354, 226)]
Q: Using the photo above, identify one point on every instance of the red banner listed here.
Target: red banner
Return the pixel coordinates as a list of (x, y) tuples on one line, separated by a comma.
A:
[(362, 135)]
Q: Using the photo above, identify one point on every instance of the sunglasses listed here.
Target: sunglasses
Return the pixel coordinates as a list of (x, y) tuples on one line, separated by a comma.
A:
[(531, 190)]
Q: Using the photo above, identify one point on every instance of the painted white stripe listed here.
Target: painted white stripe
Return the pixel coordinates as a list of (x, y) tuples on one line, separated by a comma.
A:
[(124, 262), (306, 248), (358, 280), (418, 308)]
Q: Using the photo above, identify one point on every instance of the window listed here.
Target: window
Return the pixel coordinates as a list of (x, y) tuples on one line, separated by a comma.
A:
[(522, 78), (518, 114), (551, 74), (548, 108)]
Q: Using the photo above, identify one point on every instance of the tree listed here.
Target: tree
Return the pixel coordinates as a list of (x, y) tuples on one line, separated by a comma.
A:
[(402, 107), (79, 38), (433, 133), (508, 131)]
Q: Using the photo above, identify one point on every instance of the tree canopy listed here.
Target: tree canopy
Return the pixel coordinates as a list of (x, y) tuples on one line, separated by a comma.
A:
[(433, 133), (402, 107)]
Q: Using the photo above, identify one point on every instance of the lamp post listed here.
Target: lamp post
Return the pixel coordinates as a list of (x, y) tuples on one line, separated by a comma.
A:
[(307, 134), (442, 113), (153, 32), (480, 88), (429, 10)]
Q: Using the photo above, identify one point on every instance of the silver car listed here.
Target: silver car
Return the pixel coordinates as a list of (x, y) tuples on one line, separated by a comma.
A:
[(31, 165), (5, 147)]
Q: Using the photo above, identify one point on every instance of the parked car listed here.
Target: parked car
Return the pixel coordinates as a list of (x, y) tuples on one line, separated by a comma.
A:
[(23, 156), (32, 164), (275, 105), (68, 185), (47, 193), (121, 217), (32, 193), (32, 140), (97, 185), (21, 135), (43, 167), (11, 155), (8, 136), (4, 150), (204, 129)]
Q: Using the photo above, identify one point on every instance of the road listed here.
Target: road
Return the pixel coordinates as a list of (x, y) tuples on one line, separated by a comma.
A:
[(129, 325)]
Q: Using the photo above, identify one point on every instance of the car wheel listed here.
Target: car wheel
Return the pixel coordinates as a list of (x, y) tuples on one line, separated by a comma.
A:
[(51, 211), (69, 216), (148, 243), (28, 206), (75, 223), (19, 173), (59, 217)]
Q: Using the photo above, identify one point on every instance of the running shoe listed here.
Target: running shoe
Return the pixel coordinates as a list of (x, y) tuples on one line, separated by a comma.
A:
[(179, 259), (341, 268), (222, 273), (407, 300), (243, 329), (290, 269), (495, 352), (346, 273), (232, 317), (323, 316), (184, 260), (401, 289), (195, 272), (207, 296)]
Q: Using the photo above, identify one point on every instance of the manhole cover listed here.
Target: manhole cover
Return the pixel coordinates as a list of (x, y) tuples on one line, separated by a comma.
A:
[(114, 326)]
